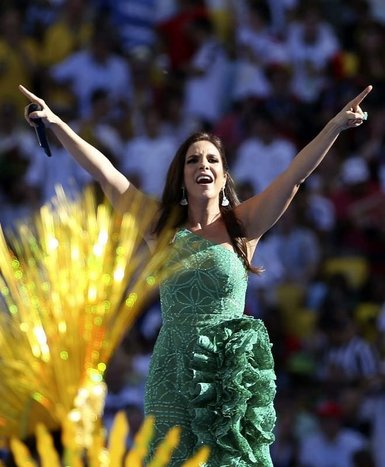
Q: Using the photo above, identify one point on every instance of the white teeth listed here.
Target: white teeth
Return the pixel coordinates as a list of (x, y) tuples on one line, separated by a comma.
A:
[(204, 179)]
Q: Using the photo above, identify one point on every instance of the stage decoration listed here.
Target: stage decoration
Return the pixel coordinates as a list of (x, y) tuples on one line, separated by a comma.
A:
[(102, 453), (72, 282)]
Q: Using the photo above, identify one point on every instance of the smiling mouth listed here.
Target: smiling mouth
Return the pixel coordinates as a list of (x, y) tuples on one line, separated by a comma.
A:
[(204, 179)]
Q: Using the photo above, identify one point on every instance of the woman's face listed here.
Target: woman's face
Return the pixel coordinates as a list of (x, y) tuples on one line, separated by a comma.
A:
[(204, 175)]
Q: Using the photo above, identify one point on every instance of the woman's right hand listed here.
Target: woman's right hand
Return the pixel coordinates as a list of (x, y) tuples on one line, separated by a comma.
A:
[(45, 113), (352, 115)]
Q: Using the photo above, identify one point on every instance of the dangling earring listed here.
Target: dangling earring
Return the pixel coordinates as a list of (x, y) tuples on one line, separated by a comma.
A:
[(183, 201), (225, 201)]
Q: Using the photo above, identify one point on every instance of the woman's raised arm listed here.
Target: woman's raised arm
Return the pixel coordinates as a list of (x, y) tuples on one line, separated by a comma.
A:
[(113, 183), (262, 211)]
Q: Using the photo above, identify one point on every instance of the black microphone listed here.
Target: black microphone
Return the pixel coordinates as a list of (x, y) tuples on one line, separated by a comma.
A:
[(40, 129)]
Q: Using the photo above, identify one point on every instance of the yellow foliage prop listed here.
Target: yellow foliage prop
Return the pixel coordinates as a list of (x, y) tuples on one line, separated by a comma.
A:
[(72, 282), (99, 456)]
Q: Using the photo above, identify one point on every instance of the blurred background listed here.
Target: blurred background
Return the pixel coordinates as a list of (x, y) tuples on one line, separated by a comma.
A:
[(134, 78)]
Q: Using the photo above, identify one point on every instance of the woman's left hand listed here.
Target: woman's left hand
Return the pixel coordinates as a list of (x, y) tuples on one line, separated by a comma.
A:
[(352, 115)]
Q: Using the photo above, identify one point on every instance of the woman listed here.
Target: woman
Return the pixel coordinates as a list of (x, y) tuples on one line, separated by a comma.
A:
[(212, 369)]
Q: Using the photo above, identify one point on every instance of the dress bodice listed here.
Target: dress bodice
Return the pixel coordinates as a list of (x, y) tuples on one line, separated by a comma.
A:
[(208, 280)]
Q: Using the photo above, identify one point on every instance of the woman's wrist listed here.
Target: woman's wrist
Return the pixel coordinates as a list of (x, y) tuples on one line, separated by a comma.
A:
[(55, 122), (334, 127)]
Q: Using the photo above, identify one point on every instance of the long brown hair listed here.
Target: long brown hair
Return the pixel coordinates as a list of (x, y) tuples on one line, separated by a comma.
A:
[(172, 195)]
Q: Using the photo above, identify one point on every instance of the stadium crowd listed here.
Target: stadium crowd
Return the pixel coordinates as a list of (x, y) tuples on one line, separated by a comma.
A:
[(134, 78)]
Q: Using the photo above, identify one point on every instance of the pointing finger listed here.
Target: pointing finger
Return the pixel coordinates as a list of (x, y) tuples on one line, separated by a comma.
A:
[(32, 97), (358, 99)]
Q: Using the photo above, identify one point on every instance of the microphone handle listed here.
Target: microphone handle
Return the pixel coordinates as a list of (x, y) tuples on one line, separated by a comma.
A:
[(40, 129)]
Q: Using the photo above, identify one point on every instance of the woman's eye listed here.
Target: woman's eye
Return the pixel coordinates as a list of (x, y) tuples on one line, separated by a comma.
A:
[(211, 160)]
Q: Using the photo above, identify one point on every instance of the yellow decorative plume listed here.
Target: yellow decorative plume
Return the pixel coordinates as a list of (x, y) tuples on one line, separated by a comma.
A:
[(72, 282), (98, 455)]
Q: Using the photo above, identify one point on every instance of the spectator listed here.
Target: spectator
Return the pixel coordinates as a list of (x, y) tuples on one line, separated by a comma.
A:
[(319, 209), (284, 450), (369, 54), (177, 123), (282, 104), (146, 157), (95, 67), (281, 12), (347, 358), (257, 49), (358, 204), (70, 32), (229, 127), (312, 43), (261, 292), (18, 57), (267, 148), (17, 197), (174, 34), (45, 176), (134, 22), (255, 38), (98, 128), (147, 82), (332, 444), (222, 14), (297, 246), (374, 410), (206, 75)]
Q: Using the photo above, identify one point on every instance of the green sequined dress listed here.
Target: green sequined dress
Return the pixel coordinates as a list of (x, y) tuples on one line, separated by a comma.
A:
[(211, 371)]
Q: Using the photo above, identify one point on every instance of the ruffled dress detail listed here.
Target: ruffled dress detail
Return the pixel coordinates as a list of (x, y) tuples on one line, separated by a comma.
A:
[(211, 371), (233, 392)]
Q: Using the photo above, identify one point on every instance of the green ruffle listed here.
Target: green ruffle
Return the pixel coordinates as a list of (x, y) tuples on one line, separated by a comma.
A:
[(233, 392)]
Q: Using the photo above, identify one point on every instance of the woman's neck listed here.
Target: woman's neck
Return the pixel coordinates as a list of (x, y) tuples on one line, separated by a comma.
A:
[(199, 218)]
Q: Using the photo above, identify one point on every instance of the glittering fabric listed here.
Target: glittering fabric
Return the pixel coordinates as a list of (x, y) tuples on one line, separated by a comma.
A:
[(212, 369)]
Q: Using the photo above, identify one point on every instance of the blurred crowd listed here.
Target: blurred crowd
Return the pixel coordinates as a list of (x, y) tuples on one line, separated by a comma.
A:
[(134, 78)]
